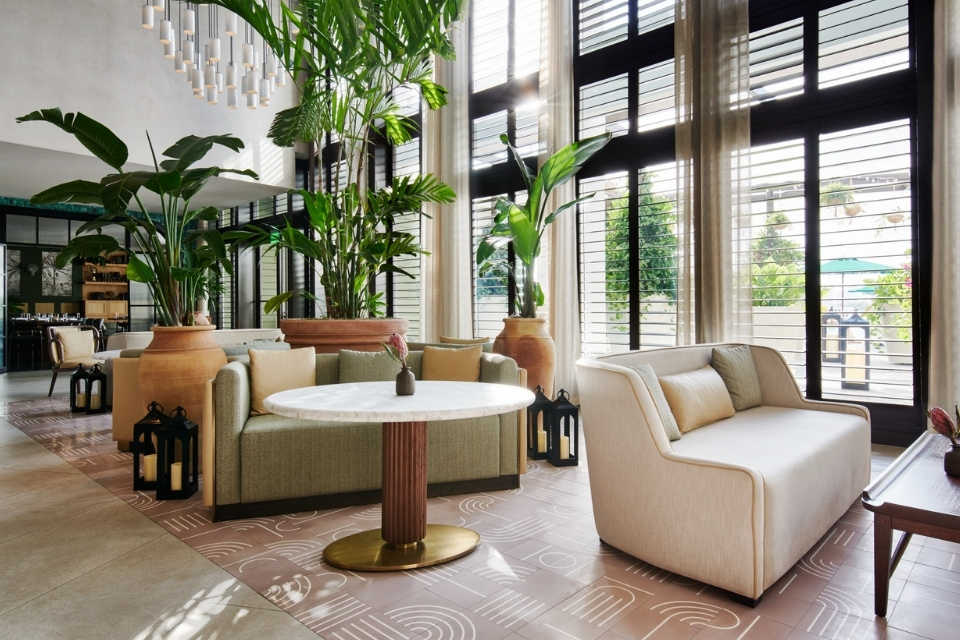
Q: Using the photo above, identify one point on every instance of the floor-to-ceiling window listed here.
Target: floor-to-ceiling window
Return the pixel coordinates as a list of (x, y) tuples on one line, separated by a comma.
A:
[(839, 207)]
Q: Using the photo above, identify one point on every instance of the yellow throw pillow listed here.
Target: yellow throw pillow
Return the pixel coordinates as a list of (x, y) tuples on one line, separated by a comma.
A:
[(277, 370), (75, 345), (697, 398), (446, 340), (442, 363)]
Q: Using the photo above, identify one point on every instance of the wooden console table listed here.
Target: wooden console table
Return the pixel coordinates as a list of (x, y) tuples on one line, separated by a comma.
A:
[(913, 495)]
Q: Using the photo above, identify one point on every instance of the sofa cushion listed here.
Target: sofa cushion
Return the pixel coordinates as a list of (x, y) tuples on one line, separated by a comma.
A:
[(697, 397), (272, 371), (648, 375), (463, 365), (735, 366), (75, 345), (466, 341), (367, 366), (267, 345)]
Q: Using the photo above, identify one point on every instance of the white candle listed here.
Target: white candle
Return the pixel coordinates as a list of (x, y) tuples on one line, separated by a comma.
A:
[(150, 467), (175, 471), (541, 441), (564, 447), (81, 399), (95, 401)]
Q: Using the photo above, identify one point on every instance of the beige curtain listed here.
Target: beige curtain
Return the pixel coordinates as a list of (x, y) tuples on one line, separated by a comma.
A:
[(945, 320), (445, 306), (713, 142), (559, 257)]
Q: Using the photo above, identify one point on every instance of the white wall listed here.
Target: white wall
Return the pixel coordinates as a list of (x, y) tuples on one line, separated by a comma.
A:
[(93, 56)]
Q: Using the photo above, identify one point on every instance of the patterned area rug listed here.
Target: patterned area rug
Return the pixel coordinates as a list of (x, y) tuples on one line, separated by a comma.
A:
[(540, 570)]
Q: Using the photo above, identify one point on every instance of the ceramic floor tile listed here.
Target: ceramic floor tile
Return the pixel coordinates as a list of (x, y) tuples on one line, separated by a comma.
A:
[(934, 622), (25, 512)]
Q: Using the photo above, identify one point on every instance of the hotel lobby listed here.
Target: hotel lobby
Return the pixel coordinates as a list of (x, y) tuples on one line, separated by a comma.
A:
[(847, 221)]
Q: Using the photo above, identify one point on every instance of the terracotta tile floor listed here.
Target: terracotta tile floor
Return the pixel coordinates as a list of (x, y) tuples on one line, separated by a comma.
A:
[(540, 571)]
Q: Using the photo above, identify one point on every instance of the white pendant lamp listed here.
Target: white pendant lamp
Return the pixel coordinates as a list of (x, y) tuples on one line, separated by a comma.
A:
[(251, 101), (209, 77), (146, 16), (159, 5), (211, 95), (166, 32), (189, 21), (169, 50), (231, 29), (196, 79), (232, 97), (231, 76), (214, 50), (178, 64)]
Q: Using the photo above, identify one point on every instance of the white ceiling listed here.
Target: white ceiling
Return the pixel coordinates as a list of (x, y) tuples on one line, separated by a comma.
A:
[(25, 171)]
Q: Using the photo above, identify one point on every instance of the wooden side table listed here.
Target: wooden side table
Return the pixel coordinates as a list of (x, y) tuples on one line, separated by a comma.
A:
[(913, 495)]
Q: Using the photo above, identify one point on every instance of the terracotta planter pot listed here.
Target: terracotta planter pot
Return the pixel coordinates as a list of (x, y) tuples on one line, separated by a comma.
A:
[(329, 336), (526, 340), (175, 366)]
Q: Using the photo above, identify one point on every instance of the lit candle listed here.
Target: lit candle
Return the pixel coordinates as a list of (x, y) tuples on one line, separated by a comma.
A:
[(95, 401), (564, 447), (81, 399), (541, 441), (175, 482), (150, 467)]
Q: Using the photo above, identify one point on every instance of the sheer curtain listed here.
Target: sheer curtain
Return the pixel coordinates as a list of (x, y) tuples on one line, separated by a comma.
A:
[(558, 259), (713, 190), (447, 275), (945, 321)]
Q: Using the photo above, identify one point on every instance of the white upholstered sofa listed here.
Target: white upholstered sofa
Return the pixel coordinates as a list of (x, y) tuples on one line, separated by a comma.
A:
[(734, 503)]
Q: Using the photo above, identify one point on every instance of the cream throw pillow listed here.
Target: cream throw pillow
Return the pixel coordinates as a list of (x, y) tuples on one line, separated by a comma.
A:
[(697, 397), (735, 366), (648, 375), (277, 370), (75, 345), (446, 340), (442, 363)]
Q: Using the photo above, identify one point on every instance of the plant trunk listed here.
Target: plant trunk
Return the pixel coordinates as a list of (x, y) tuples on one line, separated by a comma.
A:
[(528, 302)]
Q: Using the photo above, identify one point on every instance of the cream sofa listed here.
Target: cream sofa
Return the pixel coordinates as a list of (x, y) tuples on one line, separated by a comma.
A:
[(269, 464), (122, 367), (735, 503)]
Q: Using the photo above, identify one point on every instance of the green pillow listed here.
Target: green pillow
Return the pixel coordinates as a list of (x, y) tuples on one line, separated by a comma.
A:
[(367, 366), (735, 366), (670, 426)]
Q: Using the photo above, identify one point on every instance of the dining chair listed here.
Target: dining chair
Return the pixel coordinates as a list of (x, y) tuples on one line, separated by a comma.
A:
[(69, 346)]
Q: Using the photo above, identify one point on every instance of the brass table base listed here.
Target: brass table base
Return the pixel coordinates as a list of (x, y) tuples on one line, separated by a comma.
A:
[(367, 551)]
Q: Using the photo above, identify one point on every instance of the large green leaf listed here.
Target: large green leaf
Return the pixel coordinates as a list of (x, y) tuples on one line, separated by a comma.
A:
[(526, 237), (97, 138), (78, 191), (117, 189), (139, 271), (191, 148)]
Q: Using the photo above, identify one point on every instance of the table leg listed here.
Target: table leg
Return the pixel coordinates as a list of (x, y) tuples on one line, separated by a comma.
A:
[(404, 519), (405, 540), (882, 543)]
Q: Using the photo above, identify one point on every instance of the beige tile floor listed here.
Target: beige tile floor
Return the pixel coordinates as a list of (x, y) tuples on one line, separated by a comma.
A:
[(79, 559)]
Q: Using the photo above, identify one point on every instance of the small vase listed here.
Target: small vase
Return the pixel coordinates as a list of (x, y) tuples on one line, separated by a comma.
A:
[(951, 461), (406, 382)]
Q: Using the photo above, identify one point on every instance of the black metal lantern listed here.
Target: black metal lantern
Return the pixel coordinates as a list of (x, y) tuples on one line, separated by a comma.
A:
[(564, 438), (830, 336), (96, 390), (178, 458), (539, 419), (855, 370), (78, 389), (145, 433)]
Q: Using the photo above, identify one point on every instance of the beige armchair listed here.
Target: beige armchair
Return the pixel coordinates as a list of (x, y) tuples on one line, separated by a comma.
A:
[(70, 346)]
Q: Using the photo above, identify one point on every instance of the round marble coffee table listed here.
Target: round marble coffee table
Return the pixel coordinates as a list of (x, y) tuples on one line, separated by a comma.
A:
[(405, 540)]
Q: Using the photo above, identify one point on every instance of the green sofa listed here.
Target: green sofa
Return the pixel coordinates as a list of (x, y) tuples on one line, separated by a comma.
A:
[(271, 464)]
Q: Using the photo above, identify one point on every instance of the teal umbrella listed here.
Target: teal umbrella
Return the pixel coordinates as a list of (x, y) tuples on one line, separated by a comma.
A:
[(843, 266)]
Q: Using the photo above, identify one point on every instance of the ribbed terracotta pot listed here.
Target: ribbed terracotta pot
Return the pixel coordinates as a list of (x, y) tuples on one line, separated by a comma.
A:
[(175, 366), (526, 340), (329, 336)]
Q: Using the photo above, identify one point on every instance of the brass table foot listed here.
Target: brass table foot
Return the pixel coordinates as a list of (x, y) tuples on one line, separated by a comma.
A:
[(367, 551)]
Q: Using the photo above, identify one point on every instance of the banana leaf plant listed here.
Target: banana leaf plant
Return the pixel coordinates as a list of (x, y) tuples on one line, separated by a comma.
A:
[(353, 62), (179, 262), (524, 225)]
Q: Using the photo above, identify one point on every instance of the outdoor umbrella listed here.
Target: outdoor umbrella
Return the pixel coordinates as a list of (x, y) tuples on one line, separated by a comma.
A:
[(843, 266)]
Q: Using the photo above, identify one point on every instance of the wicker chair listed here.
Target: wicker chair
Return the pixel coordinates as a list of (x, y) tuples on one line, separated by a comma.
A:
[(67, 351)]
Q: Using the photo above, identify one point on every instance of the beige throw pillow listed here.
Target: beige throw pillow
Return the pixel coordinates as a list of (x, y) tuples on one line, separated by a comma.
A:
[(697, 397), (75, 345), (441, 363), (276, 370), (447, 340), (648, 375), (735, 366)]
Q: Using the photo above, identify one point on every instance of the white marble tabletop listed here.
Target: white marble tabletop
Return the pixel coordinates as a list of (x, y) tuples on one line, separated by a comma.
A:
[(379, 402)]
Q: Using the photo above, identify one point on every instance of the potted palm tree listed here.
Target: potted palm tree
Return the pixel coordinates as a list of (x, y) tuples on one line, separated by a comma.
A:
[(179, 262), (349, 61), (524, 337)]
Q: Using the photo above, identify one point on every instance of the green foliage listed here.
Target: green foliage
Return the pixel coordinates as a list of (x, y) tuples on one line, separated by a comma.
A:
[(348, 60), (524, 225), (776, 268), (893, 301), (179, 263)]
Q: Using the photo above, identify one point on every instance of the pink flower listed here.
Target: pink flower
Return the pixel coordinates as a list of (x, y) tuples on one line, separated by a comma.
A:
[(397, 349), (944, 424)]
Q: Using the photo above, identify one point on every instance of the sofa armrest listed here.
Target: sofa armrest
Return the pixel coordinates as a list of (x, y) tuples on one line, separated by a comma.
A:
[(499, 369), (231, 389)]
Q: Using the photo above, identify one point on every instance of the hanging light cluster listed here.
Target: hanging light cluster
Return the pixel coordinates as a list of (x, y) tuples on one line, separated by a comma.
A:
[(254, 79)]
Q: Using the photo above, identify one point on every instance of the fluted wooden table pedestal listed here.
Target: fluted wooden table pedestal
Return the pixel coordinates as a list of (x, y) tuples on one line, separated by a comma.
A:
[(405, 540)]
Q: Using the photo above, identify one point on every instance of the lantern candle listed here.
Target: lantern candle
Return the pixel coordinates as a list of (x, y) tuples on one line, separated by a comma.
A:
[(564, 447), (150, 467), (541, 441), (81, 400), (95, 401), (176, 470)]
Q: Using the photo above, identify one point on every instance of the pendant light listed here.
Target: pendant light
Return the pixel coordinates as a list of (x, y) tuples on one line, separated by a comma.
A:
[(189, 21), (146, 16)]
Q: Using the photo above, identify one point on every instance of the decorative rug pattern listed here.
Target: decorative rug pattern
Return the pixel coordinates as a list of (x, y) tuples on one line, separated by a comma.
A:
[(540, 570)]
